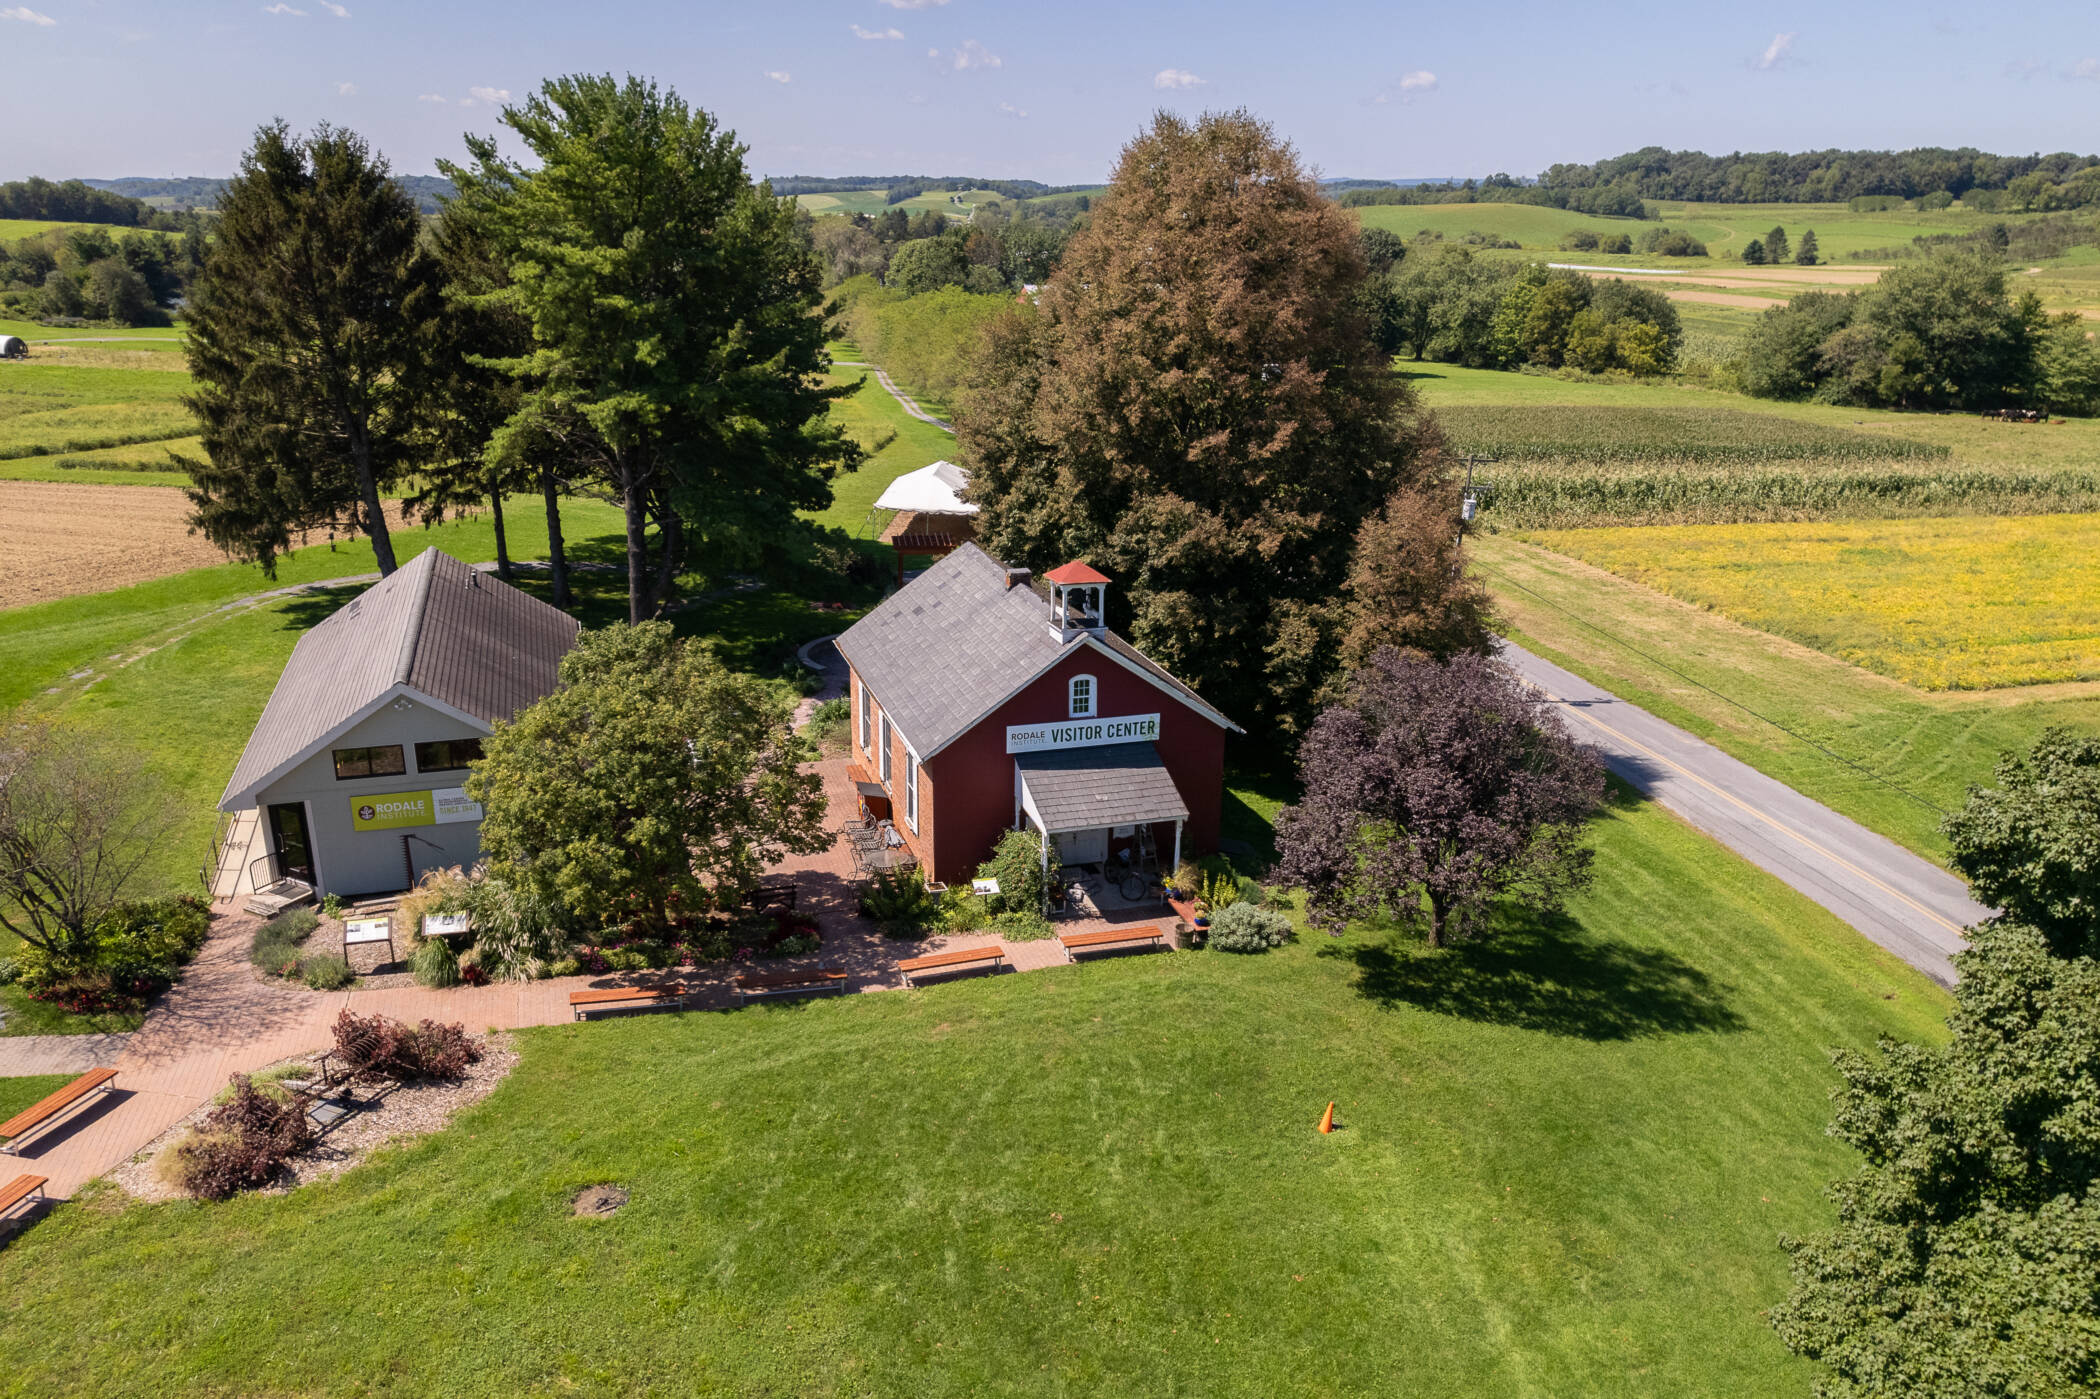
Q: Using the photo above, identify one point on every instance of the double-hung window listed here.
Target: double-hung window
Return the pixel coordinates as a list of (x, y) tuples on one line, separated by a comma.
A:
[(866, 707), (1082, 695), (911, 789), (884, 755)]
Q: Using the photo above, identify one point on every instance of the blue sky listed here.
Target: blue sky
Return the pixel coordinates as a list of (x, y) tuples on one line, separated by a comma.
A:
[(104, 88)]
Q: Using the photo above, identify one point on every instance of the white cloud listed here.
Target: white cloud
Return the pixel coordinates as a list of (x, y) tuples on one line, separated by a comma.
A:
[(337, 10), (779, 77), (280, 8), (431, 97), (917, 99), (2087, 68), (1011, 110), (24, 15), (971, 55), (1413, 84), (860, 33), (1776, 53), (914, 4), (346, 89), (2026, 69), (1170, 79), (494, 96)]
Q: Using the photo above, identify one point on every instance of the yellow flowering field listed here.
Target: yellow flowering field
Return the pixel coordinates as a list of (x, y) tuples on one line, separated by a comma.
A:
[(1960, 603)]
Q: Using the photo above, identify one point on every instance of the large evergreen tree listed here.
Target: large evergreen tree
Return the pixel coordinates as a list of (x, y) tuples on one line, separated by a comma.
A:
[(675, 319), (1777, 249), (1805, 253), (309, 340), (1197, 407)]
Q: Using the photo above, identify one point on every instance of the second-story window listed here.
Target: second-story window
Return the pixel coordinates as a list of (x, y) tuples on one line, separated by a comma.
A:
[(1082, 696)]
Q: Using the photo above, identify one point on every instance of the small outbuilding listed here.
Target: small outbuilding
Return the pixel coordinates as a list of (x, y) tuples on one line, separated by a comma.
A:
[(986, 700), (355, 769)]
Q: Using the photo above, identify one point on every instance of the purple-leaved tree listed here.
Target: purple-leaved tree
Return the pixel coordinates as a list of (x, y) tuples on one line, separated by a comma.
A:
[(1433, 790)]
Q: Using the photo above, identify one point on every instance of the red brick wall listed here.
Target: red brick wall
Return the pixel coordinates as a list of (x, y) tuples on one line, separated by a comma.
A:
[(919, 842)]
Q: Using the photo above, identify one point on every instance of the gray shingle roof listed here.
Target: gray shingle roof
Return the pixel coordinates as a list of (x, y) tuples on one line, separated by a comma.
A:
[(1117, 784), (956, 642), (437, 626)]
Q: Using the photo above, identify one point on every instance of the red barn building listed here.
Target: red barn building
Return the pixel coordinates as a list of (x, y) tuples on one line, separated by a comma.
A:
[(984, 700)]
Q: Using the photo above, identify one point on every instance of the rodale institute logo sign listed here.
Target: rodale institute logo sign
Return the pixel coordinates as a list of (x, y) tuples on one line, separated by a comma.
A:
[(393, 810), (1082, 733)]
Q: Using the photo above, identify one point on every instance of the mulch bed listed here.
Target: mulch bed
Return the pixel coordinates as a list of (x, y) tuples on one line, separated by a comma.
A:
[(403, 1113)]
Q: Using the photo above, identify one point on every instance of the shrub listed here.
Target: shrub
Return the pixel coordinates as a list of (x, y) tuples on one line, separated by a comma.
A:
[(326, 971), (828, 723), (564, 966), (1245, 927), (434, 964), (1017, 863), (438, 891), (1021, 925), (293, 925), (125, 958), (794, 945), (897, 899), (626, 959), (516, 930), (376, 1049), (10, 971), (243, 1143), (332, 906)]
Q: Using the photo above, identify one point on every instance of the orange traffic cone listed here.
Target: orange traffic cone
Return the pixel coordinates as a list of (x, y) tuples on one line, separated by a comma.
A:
[(1327, 1120)]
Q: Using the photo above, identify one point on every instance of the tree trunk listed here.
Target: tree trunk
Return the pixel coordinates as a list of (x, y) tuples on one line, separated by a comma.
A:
[(673, 531), (1436, 921), (502, 544), (636, 504), (375, 510), (557, 555)]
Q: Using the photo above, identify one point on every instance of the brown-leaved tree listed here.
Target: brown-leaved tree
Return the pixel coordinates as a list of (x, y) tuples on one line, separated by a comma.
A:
[(1196, 406)]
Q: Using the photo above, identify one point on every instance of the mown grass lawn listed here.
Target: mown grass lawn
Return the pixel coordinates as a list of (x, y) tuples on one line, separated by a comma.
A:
[(19, 1093), (1566, 1160), (1715, 677)]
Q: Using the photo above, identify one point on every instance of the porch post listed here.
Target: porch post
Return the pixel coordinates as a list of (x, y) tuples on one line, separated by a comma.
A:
[(1177, 850)]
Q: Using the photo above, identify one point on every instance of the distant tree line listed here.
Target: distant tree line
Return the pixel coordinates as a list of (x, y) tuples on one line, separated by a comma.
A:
[(1618, 201), (1819, 177), (1941, 332), (77, 202), (915, 184), (93, 274), (427, 192), (1440, 302)]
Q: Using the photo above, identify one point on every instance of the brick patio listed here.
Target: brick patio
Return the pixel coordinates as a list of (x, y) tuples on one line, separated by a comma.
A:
[(223, 1018)]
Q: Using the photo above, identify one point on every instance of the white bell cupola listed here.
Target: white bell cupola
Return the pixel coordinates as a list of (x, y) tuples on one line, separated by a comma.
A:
[(1078, 601)]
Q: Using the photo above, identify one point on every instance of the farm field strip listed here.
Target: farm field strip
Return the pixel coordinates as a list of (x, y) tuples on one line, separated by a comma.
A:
[(1960, 603)]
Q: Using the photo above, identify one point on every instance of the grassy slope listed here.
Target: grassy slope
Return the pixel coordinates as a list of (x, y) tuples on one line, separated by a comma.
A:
[(1532, 225), (1565, 1162), (1930, 744), (870, 415)]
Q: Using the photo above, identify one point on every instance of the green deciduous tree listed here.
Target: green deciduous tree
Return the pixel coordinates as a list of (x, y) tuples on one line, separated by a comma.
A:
[(1199, 409), (653, 783), (676, 318), (1965, 1263), (928, 264), (2031, 844), (309, 339)]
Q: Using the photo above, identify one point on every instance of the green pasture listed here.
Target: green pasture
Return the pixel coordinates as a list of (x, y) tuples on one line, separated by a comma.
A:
[(149, 336), (1534, 226), (136, 464), (1565, 1159), (11, 229), (1771, 702), (50, 409), (874, 418)]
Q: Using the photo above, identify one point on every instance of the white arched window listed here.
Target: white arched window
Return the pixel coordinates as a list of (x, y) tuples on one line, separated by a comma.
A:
[(1082, 697)]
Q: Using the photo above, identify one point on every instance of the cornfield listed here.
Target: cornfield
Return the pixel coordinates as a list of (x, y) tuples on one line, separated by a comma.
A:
[(1667, 437), (1564, 493)]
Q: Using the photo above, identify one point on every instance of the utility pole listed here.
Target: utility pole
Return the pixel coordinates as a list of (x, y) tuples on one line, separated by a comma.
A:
[(1469, 504)]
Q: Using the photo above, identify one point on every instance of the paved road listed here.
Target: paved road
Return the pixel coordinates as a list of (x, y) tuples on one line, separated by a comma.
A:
[(1901, 901)]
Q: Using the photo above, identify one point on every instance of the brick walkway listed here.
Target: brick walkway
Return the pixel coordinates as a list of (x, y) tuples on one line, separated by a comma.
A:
[(221, 1018)]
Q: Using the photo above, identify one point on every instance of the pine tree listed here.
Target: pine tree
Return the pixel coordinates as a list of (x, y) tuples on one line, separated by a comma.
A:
[(309, 327), (1776, 249), (1805, 253), (1197, 407), (676, 322), (1754, 252)]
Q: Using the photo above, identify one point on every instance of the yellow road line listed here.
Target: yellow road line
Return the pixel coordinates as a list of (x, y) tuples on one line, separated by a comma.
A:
[(1836, 859)]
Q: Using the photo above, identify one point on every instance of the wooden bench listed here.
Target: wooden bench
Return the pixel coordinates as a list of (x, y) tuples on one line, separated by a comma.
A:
[(811, 981), (951, 961), (18, 1190), (44, 1113), (1146, 936), (635, 997)]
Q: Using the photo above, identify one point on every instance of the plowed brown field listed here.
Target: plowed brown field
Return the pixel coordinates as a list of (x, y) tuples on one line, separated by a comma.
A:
[(59, 539)]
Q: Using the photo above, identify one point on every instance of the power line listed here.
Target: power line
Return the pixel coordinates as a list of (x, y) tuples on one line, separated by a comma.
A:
[(1728, 699)]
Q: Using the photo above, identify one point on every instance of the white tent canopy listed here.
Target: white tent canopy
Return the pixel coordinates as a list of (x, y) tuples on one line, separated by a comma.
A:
[(931, 490)]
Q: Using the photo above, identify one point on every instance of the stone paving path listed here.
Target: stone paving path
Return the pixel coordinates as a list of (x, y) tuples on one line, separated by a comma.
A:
[(222, 1018), (22, 1055)]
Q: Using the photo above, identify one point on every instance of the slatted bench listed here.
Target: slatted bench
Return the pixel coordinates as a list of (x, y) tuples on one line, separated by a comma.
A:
[(1147, 935), (21, 1190), (43, 1114), (632, 997), (811, 981), (952, 961)]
